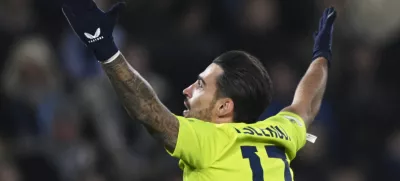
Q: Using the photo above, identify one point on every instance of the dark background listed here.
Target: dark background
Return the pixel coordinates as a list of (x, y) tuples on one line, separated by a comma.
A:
[(60, 119)]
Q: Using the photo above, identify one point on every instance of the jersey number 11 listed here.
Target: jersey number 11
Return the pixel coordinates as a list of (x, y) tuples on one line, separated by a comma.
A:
[(249, 152)]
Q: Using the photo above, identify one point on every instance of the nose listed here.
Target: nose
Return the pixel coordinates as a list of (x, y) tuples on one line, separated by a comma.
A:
[(187, 92)]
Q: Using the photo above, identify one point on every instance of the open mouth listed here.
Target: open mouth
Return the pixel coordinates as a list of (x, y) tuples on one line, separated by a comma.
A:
[(186, 111)]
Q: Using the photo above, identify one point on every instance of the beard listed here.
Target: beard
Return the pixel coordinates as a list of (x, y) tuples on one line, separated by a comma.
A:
[(203, 114)]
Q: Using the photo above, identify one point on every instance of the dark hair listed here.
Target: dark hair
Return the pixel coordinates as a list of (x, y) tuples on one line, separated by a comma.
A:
[(246, 81)]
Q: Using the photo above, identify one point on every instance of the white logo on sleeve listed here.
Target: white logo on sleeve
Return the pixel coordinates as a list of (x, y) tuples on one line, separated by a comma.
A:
[(311, 138), (94, 38)]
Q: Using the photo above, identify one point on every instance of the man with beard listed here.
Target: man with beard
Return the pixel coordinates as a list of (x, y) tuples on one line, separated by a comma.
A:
[(219, 137)]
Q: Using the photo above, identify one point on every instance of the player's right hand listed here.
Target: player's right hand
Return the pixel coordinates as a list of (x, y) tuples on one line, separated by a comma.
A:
[(323, 36), (93, 26)]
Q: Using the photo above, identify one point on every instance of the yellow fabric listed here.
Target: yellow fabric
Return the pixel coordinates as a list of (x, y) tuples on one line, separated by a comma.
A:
[(238, 151)]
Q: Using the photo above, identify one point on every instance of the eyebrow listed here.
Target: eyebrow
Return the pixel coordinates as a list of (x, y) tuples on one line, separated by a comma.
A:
[(201, 79)]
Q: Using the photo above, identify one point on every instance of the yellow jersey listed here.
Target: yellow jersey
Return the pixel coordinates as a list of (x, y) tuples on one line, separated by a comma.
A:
[(261, 151)]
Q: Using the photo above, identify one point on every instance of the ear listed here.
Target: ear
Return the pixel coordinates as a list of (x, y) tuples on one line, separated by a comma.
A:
[(225, 107)]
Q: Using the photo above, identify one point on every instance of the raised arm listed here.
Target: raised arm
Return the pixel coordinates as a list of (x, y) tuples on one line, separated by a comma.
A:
[(308, 96), (141, 102), (309, 93), (94, 27)]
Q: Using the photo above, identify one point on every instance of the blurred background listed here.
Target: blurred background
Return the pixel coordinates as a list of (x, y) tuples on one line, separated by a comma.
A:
[(60, 119)]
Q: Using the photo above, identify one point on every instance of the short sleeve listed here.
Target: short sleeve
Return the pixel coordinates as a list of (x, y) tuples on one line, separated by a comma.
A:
[(199, 143), (296, 124)]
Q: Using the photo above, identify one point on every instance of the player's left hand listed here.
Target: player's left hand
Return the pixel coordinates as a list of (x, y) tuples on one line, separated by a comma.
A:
[(93, 26), (323, 37)]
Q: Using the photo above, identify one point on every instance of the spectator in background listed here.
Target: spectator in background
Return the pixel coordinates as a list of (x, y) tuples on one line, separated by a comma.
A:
[(32, 83), (260, 17), (16, 16), (73, 154), (8, 172)]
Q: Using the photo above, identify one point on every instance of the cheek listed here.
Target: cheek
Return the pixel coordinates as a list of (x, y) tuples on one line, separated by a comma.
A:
[(200, 100), (196, 102)]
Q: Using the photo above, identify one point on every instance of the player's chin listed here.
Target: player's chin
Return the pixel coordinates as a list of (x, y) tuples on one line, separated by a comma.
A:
[(185, 113)]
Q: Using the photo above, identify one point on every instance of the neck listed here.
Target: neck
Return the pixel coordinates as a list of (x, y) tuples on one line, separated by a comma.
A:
[(221, 120)]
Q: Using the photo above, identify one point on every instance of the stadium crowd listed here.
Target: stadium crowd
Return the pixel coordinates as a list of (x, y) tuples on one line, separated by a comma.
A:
[(60, 119)]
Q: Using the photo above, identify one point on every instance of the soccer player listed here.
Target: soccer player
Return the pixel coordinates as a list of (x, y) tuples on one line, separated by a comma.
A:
[(219, 137)]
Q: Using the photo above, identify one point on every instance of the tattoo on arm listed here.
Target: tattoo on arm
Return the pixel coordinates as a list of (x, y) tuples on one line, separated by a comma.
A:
[(141, 102)]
